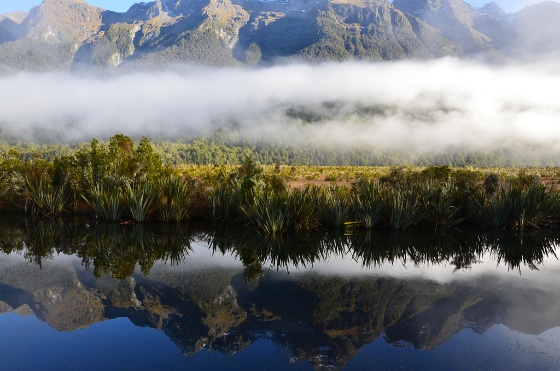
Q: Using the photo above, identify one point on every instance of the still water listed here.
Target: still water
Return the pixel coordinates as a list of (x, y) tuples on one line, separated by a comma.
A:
[(79, 295)]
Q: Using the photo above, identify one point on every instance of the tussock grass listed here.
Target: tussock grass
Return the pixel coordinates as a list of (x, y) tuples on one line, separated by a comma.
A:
[(106, 203), (47, 199), (280, 212), (139, 199), (172, 198)]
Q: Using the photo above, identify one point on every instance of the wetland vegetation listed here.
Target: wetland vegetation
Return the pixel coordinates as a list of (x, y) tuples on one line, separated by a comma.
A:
[(120, 181)]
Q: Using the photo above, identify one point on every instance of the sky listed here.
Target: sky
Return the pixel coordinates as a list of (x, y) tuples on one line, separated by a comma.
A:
[(123, 5)]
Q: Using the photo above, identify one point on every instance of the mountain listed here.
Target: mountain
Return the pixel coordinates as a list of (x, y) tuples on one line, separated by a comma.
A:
[(454, 19), (10, 26), (71, 34)]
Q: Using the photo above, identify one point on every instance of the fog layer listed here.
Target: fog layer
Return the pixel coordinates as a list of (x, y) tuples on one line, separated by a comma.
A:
[(420, 106)]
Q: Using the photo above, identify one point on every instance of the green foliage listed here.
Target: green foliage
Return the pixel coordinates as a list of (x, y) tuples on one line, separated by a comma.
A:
[(226, 149), (369, 204), (107, 204), (139, 200), (399, 178), (119, 181), (491, 183), (280, 212), (220, 200), (250, 177), (402, 206), (525, 179), (520, 205), (334, 205), (173, 198), (275, 182), (437, 173), (47, 199), (440, 205), (148, 165), (118, 162), (12, 183)]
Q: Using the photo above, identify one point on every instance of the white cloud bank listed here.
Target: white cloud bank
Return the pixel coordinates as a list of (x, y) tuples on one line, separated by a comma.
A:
[(426, 106)]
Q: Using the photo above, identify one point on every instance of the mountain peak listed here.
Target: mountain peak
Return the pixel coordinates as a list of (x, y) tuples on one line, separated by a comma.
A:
[(16, 17), (63, 21), (425, 9), (492, 10)]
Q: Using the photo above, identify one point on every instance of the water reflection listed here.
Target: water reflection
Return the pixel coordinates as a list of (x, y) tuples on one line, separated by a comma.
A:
[(115, 250), (376, 249), (226, 289), (111, 249)]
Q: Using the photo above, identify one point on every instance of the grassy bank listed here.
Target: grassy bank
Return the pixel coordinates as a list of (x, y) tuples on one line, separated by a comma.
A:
[(122, 182)]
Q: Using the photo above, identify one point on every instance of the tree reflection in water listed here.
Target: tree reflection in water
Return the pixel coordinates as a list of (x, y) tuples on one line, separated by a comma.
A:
[(115, 250)]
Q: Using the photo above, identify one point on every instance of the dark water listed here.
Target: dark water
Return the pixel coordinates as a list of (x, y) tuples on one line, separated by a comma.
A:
[(82, 296)]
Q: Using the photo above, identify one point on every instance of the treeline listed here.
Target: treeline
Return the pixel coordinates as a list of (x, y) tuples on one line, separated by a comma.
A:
[(218, 150), (119, 181)]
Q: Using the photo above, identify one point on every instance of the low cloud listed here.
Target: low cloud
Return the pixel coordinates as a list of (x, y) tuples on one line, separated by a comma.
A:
[(424, 107)]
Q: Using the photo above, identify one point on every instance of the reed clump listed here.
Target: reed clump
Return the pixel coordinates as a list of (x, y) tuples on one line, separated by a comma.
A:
[(282, 211), (173, 197), (106, 203), (139, 200), (369, 203), (334, 204), (46, 199)]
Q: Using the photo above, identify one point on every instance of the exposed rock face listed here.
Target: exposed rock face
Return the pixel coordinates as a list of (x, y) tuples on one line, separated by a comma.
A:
[(63, 21), (72, 34), (454, 19)]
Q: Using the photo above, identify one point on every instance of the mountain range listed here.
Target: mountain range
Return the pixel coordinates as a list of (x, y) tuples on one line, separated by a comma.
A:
[(71, 34)]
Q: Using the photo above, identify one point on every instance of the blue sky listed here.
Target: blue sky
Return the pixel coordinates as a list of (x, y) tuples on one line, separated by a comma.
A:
[(122, 5)]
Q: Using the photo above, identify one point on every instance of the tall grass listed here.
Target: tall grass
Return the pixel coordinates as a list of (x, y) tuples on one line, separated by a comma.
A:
[(402, 206), (521, 206), (220, 201), (47, 200), (369, 204), (334, 205), (139, 200), (395, 198), (279, 212), (172, 199), (440, 204), (106, 203)]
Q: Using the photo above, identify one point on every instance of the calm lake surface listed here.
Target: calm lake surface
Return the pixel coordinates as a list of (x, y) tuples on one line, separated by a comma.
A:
[(79, 295)]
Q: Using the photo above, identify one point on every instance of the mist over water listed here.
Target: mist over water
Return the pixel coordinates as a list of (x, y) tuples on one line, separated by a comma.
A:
[(424, 107)]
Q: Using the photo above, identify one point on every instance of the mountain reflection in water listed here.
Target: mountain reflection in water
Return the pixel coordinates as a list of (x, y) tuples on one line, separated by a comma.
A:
[(319, 298)]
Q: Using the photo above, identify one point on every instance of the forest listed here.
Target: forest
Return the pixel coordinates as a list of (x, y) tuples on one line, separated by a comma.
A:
[(222, 149)]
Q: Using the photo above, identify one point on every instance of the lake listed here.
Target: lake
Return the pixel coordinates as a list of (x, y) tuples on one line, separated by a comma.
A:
[(81, 295)]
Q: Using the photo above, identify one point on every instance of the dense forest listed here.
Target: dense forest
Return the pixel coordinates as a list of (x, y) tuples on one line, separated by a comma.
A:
[(218, 149)]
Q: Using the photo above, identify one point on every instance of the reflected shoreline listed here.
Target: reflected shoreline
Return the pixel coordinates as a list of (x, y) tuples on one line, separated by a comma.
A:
[(115, 249), (220, 289)]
